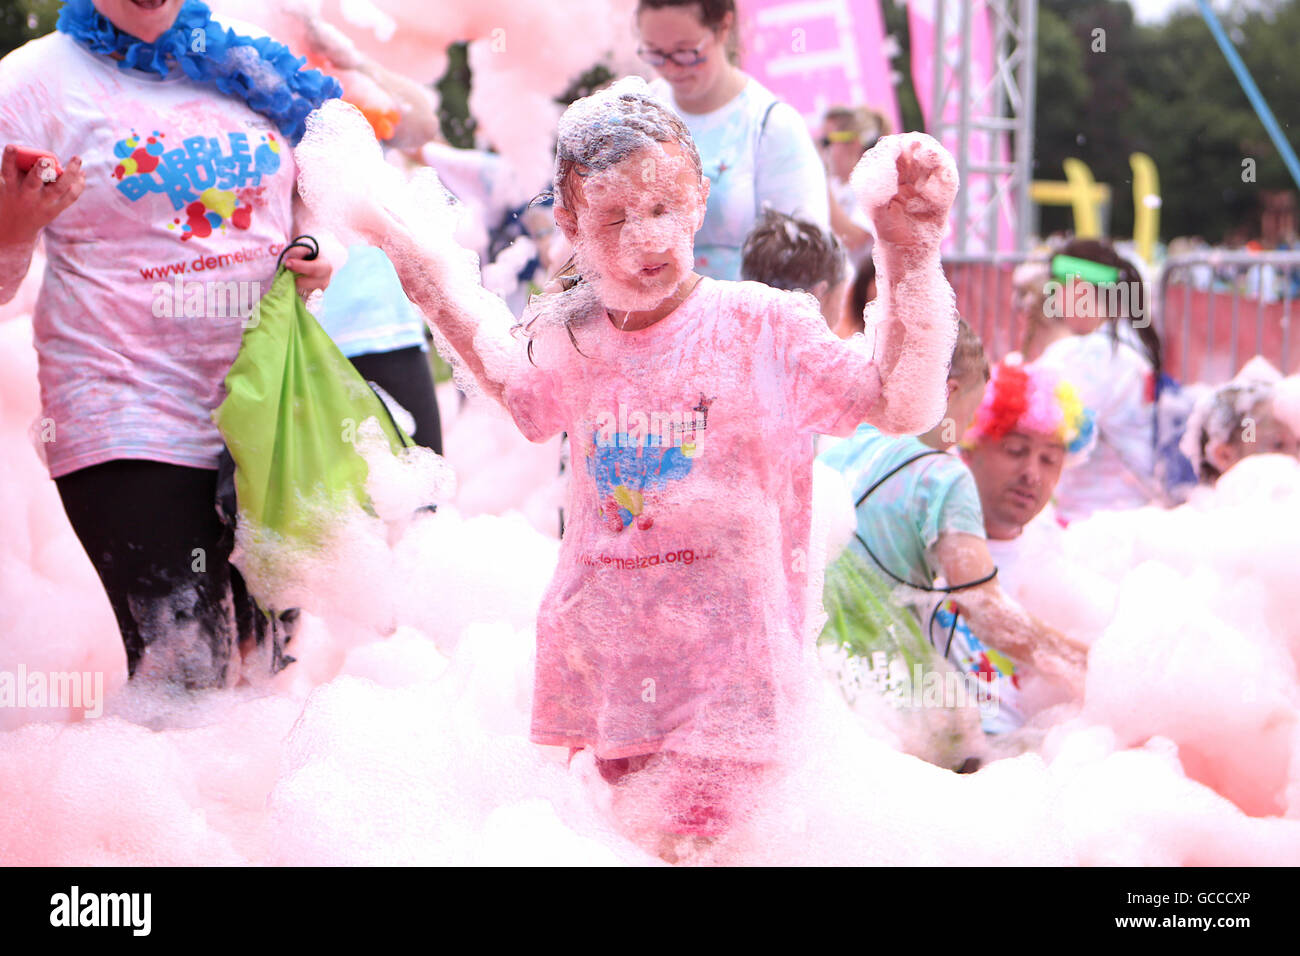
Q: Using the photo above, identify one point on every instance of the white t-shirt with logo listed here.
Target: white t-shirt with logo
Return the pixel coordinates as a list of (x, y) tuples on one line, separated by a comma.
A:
[(188, 202)]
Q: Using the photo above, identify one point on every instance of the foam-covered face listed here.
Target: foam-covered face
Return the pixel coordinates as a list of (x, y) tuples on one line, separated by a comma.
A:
[(677, 30), (146, 19), (1016, 476), (633, 226), (1265, 434)]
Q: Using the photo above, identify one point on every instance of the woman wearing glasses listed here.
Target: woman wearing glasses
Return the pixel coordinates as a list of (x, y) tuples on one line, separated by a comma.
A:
[(756, 150)]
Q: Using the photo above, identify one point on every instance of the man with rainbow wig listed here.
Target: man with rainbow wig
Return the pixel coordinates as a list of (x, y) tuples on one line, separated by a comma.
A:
[(1028, 427), (922, 520)]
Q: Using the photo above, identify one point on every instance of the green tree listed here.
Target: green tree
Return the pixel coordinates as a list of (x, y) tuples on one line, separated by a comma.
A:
[(1165, 90), (23, 20), (1201, 129), (1084, 104), (1062, 89), (909, 108), (458, 126)]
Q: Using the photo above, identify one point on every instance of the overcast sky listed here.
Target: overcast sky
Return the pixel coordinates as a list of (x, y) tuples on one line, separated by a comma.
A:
[(1153, 11)]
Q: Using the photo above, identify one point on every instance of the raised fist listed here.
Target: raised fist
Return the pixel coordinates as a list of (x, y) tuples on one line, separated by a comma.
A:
[(906, 184)]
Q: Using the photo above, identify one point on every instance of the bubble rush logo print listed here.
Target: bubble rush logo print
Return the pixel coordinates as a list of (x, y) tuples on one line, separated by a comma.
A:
[(645, 453), (214, 187)]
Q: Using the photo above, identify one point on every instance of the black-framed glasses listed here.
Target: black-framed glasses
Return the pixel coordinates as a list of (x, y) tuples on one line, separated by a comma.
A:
[(680, 57)]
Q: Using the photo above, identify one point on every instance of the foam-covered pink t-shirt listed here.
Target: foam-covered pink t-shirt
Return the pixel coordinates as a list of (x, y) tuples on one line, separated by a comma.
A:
[(151, 271), (675, 618)]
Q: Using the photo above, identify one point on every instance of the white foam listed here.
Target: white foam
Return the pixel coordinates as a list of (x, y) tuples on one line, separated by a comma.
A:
[(412, 747)]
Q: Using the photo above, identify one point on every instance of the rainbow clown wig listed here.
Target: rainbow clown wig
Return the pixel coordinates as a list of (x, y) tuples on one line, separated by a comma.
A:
[(1024, 398)]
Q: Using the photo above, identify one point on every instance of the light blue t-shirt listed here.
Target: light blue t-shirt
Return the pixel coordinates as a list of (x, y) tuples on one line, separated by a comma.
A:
[(905, 516), (901, 521), (364, 309), (756, 151)]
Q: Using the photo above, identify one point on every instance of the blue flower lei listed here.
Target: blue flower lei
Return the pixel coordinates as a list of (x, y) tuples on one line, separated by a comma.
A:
[(224, 59)]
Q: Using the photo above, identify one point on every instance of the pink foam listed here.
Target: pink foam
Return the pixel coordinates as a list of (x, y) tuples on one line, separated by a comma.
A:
[(521, 53)]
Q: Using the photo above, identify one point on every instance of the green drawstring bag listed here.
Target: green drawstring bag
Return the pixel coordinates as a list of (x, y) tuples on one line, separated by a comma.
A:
[(863, 617), (293, 407), (887, 662)]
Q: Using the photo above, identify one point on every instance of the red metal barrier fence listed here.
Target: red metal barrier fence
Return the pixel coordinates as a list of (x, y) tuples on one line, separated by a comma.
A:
[(1214, 311), (1217, 310), (984, 292)]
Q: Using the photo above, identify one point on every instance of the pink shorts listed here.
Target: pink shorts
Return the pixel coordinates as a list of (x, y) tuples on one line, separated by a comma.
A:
[(698, 796)]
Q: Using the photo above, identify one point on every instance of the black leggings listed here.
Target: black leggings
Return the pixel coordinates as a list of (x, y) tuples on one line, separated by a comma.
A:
[(405, 375), (162, 551)]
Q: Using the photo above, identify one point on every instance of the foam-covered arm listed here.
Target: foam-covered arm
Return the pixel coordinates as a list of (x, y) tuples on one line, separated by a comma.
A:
[(906, 184), (1002, 623), (473, 322), (345, 182), (416, 102)]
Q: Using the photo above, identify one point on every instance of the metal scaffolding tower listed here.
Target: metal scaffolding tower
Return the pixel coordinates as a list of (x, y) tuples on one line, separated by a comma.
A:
[(975, 114)]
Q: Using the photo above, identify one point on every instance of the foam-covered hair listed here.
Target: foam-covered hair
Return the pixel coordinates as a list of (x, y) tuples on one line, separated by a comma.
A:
[(603, 129), (1032, 399), (1220, 412)]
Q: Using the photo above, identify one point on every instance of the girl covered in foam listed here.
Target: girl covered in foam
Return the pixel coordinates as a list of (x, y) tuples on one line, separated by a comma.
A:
[(671, 642)]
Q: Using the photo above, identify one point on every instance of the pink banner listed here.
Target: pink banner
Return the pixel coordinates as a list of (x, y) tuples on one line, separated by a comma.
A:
[(815, 54), (921, 17)]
